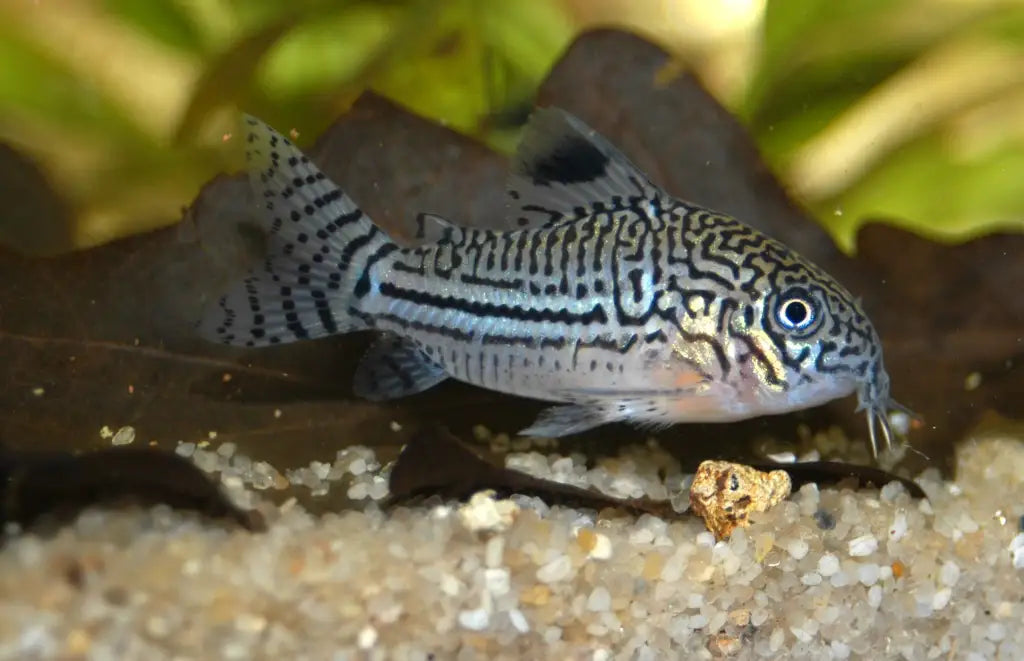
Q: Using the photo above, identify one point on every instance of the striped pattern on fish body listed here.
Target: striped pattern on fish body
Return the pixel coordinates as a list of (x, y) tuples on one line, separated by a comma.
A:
[(613, 297)]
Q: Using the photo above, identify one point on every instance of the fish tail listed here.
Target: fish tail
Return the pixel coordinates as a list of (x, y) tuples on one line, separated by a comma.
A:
[(321, 250)]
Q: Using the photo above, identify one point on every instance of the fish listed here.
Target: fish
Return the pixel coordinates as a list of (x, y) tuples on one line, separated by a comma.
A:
[(610, 298)]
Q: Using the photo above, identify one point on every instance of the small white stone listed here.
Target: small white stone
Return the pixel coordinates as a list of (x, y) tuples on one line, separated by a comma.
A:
[(839, 579), (185, 449), (124, 436), (320, 469), (898, 527), (498, 581), (863, 545), (1017, 551), (941, 598), (839, 650), (562, 466), (367, 637), (518, 620), (601, 654), (801, 634), (358, 491), (602, 547), (875, 596), (828, 564), (811, 578), (798, 548), (450, 585), (599, 600), (868, 573), (810, 455), (494, 550), (476, 619), (698, 621), (205, 460), (558, 569), (891, 490), (250, 623), (782, 457), (378, 488), (641, 537), (996, 632), (483, 512), (950, 573)]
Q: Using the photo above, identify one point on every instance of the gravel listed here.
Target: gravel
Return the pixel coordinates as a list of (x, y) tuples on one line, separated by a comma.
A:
[(510, 579)]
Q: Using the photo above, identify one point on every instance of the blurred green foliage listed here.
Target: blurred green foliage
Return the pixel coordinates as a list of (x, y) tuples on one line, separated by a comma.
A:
[(127, 102), (911, 110), (907, 109)]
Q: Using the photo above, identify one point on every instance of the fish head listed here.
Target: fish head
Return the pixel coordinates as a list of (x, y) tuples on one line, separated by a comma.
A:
[(812, 340)]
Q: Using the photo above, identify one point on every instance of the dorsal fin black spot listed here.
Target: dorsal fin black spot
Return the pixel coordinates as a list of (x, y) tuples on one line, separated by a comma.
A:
[(571, 160)]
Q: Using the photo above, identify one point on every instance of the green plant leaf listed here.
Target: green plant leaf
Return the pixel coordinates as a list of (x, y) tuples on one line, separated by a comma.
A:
[(927, 188), (164, 20)]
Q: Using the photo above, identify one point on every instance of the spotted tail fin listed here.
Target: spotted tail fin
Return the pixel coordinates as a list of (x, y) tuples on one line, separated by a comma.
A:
[(321, 248)]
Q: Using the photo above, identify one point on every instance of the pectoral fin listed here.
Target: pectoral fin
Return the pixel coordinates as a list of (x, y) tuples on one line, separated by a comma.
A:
[(565, 420)]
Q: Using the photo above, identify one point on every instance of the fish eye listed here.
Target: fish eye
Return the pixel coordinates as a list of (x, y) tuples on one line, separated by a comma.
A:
[(796, 313)]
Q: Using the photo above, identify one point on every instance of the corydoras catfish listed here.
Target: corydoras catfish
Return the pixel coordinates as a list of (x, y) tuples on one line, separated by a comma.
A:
[(612, 297)]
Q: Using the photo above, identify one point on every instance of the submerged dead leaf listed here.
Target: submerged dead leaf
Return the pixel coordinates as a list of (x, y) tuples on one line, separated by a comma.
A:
[(37, 485), (436, 463), (105, 337)]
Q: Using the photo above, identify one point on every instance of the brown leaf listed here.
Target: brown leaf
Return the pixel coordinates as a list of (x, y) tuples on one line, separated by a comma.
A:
[(35, 219), (35, 485), (435, 462)]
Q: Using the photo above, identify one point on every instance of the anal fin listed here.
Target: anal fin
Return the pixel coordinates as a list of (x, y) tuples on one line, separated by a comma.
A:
[(395, 367)]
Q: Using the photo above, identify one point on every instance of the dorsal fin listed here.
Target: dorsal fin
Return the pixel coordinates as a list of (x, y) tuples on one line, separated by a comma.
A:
[(562, 165), (431, 228)]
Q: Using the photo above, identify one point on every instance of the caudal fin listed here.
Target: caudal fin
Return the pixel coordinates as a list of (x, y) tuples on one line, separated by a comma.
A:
[(321, 247)]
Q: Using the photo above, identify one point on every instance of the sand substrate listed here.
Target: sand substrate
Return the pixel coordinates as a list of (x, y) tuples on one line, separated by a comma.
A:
[(830, 573)]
